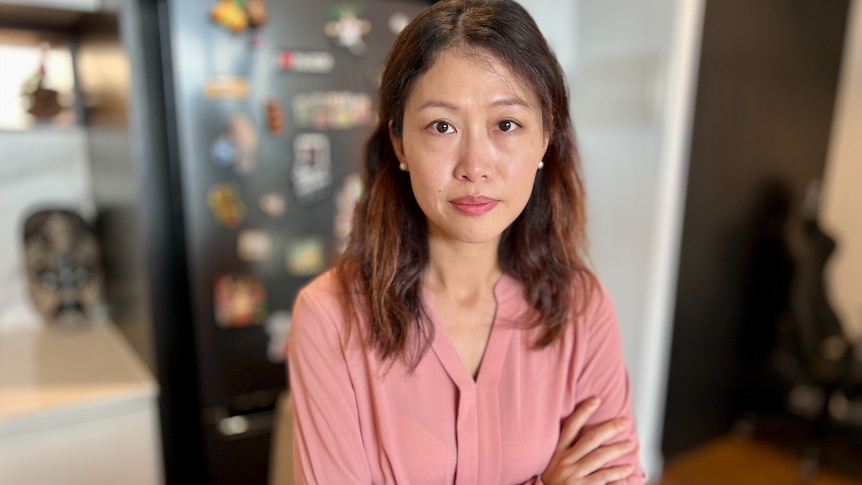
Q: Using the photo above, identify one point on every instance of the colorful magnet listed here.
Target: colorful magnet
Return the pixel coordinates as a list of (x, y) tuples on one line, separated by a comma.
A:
[(240, 300), (237, 146), (254, 245), (226, 87), (274, 117), (257, 13), (272, 204), (243, 132), (318, 62), (277, 328), (226, 204), (255, 40), (346, 27), (311, 172), (239, 15), (397, 22), (231, 15), (224, 151), (331, 109), (345, 202), (304, 256)]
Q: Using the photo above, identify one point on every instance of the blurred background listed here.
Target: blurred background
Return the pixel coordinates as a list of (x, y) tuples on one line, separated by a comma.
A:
[(173, 171)]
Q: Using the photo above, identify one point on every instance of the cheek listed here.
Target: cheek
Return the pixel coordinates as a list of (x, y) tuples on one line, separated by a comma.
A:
[(526, 190), (522, 190), (419, 186), (522, 176)]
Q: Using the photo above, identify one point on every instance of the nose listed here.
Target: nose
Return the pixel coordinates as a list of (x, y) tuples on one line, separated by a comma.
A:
[(475, 159)]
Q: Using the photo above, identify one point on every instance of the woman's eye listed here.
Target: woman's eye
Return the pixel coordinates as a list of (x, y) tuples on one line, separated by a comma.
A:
[(441, 127), (507, 125)]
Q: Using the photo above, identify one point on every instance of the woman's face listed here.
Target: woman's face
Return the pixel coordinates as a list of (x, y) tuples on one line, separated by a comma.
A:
[(472, 141)]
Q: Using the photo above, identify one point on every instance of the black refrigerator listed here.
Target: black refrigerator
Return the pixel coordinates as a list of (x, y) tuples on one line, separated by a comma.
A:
[(244, 130)]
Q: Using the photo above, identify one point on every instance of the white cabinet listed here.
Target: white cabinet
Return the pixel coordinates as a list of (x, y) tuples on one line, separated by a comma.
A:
[(76, 407)]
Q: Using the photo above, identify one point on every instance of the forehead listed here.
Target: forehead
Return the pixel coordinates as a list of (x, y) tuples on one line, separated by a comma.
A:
[(460, 62)]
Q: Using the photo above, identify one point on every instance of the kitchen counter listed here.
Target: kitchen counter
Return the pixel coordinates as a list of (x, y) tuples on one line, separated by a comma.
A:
[(76, 406)]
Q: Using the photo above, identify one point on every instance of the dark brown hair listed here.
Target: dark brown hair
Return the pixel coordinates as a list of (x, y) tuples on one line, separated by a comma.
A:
[(380, 272)]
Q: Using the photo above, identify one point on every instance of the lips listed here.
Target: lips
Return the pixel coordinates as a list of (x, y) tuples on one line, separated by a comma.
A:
[(474, 205)]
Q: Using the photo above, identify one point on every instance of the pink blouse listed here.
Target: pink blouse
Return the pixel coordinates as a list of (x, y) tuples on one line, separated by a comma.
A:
[(358, 420)]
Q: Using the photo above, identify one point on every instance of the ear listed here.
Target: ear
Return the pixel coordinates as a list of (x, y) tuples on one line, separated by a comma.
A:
[(396, 144), (545, 143)]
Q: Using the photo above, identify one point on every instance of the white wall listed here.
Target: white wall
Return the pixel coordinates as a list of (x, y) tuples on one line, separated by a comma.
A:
[(631, 66), (841, 209)]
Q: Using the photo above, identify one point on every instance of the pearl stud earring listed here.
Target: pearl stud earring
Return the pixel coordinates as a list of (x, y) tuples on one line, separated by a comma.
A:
[(541, 164), (402, 167)]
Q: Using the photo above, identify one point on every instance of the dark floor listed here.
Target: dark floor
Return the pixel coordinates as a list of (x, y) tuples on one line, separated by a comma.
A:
[(769, 451)]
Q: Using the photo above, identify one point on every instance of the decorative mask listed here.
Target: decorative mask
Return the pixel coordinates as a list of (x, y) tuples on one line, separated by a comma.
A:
[(63, 267)]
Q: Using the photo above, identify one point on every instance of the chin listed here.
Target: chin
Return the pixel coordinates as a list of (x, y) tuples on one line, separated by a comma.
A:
[(474, 231), (478, 237)]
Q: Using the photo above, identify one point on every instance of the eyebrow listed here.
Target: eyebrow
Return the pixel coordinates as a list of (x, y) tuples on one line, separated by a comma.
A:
[(513, 101)]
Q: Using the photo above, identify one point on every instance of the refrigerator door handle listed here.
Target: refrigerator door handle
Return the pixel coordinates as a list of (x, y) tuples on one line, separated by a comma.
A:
[(242, 425)]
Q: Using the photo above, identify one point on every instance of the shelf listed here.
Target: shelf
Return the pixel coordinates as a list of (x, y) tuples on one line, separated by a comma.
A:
[(48, 373)]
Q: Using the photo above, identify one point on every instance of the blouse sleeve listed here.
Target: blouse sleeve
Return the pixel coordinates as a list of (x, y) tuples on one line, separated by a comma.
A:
[(327, 441), (603, 373)]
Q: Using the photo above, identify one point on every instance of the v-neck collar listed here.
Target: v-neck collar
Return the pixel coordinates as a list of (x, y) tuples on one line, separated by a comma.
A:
[(490, 368), (478, 400)]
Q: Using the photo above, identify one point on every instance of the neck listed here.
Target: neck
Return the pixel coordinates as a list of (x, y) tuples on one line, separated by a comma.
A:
[(461, 269)]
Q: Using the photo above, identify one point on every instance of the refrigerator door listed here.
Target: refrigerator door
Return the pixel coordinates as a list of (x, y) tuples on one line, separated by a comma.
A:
[(273, 107)]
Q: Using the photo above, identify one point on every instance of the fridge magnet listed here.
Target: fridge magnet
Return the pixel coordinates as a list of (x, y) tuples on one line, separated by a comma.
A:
[(331, 109), (257, 13), (345, 202), (304, 256), (311, 173), (226, 204), (240, 15), (277, 328), (226, 87), (239, 300), (316, 62), (64, 271), (224, 151), (272, 204), (274, 117), (244, 134), (397, 22), (254, 245), (231, 15), (237, 146), (347, 27)]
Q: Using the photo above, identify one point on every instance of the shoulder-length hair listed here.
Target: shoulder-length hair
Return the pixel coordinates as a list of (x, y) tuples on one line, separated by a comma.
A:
[(380, 271)]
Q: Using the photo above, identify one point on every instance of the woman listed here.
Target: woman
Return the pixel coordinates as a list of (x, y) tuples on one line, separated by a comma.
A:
[(461, 337)]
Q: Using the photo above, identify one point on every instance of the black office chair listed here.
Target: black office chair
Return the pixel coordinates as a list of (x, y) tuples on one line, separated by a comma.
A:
[(814, 353)]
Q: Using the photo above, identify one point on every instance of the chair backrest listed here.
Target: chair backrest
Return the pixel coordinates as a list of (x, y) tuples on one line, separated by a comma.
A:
[(281, 454), (816, 319)]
